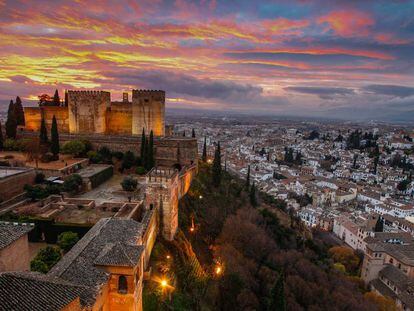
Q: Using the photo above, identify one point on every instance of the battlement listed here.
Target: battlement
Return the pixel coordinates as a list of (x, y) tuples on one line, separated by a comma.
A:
[(159, 175), (89, 92), (139, 93)]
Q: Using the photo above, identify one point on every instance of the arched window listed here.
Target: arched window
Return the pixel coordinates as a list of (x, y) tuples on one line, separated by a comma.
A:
[(122, 285)]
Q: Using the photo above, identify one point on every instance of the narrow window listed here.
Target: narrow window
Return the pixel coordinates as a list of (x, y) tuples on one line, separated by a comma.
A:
[(122, 285)]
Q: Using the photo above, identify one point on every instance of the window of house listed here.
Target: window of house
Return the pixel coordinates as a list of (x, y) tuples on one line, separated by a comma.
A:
[(391, 260), (122, 285)]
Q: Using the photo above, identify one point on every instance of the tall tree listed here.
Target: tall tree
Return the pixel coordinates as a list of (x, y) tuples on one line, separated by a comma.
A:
[(54, 136), (278, 301), (1, 138), (193, 133), (56, 99), (43, 132), (143, 139), (253, 195), (66, 98), (11, 123), (217, 166), (204, 156), (183, 133), (248, 178), (19, 112), (150, 151)]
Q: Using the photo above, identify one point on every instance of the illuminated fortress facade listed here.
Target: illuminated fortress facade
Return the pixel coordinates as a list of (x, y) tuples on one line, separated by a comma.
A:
[(93, 112)]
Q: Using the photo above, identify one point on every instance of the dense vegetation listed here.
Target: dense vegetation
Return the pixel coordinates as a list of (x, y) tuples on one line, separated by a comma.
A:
[(267, 258)]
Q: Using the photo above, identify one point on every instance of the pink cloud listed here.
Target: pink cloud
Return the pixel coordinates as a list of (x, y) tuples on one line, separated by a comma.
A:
[(348, 23)]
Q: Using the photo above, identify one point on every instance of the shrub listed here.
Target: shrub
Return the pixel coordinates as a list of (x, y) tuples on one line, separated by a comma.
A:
[(53, 189), (105, 154), (118, 155), (40, 177), (35, 192), (94, 157), (74, 147), (128, 160), (66, 240), (45, 259), (11, 145), (48, 157), (72, 183), (39, 266), (140, 170), (129, 184), (88, 145)]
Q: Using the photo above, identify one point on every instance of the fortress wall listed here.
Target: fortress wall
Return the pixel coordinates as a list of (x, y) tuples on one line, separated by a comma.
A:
[(33, 117), (168, 150), (148, 112), (87, 111), (119, 118)]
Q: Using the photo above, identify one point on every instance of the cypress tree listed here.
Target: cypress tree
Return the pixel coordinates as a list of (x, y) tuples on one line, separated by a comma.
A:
[(204, 156), (253, 197), (66, 98), (193, 133), (151, 161), (278, 299), (143, 139), (43, 132), (11, 123), (184, 134), (1, 138), (19, 112), (56, 99), (217, 166), (248, 178), (54, 146)]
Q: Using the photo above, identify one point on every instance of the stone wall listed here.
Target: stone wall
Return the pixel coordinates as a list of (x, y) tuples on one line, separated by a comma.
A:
[(148, 112), (13, 185), (15, 257), (87, 111), (168, 150), (33, 117), (119, 118), (162, 193)]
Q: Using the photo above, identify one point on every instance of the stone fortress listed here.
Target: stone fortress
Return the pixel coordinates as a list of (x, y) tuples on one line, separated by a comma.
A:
[(92, 112), (92, 116), (106, 269)]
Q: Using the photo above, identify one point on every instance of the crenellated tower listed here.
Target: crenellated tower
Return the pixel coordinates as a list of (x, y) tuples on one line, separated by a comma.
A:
[(148, 112), (87, 111)]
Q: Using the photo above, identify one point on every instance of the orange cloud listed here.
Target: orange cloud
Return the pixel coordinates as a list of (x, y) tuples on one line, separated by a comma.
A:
[(348, 23)]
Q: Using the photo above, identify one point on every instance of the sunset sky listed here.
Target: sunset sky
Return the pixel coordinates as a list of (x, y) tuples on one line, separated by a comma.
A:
[(347, 59)]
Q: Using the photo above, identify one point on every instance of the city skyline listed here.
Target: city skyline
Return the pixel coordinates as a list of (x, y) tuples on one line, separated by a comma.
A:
[(345, 59)]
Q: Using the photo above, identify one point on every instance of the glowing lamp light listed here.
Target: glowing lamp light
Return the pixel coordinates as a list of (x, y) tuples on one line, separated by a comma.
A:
[(192, 229), (200, 197), (168, 256), (218, 270), (164, 283), (209, 161)]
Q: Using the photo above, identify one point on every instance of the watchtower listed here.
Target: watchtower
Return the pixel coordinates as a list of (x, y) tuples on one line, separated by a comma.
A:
[(148, 112), (87, 111), (162, 192)]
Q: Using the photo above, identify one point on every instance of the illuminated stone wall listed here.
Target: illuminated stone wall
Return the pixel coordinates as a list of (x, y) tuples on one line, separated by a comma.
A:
[(148, 112), (119, 118), (33, 117), (162, 192), (87, 111)]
